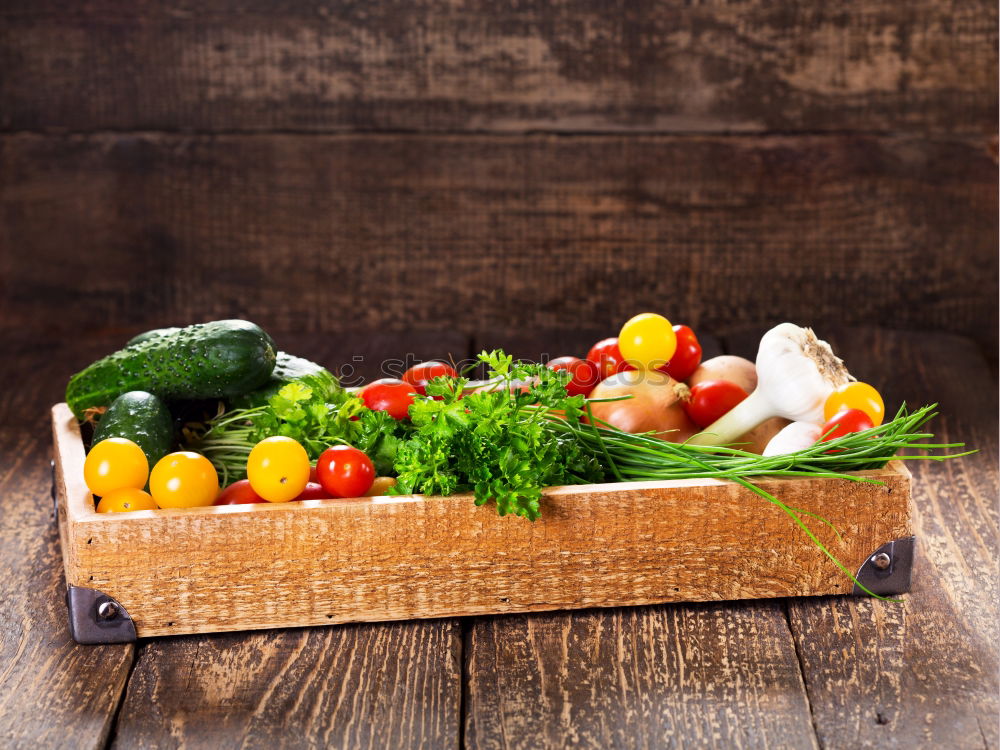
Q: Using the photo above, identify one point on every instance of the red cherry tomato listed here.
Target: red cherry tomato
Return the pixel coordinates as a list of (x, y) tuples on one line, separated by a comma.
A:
[(345, 471), (846, 422), (584, 372), (420, 375), (687, 357), (313, 491), (608, 358), (711, 399), (389, 394), (238, 493)]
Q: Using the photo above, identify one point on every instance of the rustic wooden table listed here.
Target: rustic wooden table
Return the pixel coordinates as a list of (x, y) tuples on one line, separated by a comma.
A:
[(834, 672)]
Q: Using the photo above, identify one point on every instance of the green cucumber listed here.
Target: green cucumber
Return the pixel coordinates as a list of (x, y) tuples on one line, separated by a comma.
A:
[(210, 360), (142, 418), (288, 368), (155, 333)]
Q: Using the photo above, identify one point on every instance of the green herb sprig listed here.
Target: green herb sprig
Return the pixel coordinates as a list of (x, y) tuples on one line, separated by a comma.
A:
[(317, 418), (499, 442), (644, 457)]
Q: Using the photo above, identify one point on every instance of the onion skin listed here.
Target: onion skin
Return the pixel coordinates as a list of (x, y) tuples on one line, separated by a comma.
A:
[(737, 370), (655, 405)]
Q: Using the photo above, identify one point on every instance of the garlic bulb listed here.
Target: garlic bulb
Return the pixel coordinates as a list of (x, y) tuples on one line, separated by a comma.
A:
[(793, 437), (796, 373)]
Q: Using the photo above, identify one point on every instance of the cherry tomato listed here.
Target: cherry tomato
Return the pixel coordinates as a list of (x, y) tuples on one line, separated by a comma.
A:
[(855, 396), (238, 493), (647, 341), (420, 375), (278, 469), (608, 358), (389, 394), (584, 372), (846, 422), (380, 486), (313, 491), (345, 471), (114, 464), (711, 399), (124, 500), (687, 357), (184, 480)]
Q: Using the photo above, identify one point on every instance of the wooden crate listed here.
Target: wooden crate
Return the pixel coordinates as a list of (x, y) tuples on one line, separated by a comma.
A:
[(166, 572)]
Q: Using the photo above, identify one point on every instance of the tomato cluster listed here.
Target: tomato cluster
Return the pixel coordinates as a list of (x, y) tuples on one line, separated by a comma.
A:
[(650, 340), (116, 470), (278, 471)]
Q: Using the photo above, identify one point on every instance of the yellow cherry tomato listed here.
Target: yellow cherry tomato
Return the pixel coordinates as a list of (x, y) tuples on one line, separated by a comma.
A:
[(278, 469), (855, 396), (126, 499), (184, 480), (647, 341), (114, 464)]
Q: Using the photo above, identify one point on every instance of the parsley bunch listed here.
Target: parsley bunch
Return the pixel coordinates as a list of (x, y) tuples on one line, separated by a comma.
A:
[(497, 442)]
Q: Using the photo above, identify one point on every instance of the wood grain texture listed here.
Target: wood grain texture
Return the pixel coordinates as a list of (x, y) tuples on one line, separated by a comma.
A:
[(353, 687), (368, 686), (320, 562), (674, 676), (721, 676), (922, 673), (507, 66), (434, 234), (50, 688)]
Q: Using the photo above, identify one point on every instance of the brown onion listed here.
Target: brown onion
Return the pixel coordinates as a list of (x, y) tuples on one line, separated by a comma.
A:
[(655, 404)]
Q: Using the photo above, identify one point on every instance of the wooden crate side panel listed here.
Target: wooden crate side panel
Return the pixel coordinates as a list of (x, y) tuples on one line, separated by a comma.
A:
[(73, 498), (395, 559)]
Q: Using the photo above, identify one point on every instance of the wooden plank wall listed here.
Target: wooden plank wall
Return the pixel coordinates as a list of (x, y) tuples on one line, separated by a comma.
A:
[(489, 166), (486, 172)]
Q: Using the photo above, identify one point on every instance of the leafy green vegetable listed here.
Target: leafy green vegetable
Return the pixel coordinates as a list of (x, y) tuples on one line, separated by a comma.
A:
[(499, 442), (317, 417)]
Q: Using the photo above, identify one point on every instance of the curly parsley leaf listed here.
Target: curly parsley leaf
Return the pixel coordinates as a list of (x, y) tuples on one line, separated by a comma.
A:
[(497, 442)]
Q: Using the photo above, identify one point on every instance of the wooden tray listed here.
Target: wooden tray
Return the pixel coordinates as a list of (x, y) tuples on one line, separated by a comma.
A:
[(167, 572)]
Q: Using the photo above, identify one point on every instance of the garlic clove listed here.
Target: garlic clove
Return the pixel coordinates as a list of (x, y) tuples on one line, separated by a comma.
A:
[(796, 436)]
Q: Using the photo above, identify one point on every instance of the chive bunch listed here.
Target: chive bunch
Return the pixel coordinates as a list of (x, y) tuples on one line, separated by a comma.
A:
[(629, 457)]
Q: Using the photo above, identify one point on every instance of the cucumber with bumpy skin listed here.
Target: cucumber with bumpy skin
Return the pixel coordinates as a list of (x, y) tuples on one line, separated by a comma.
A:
[(142, 418), (289, 368), (147, 335), (210, 360)]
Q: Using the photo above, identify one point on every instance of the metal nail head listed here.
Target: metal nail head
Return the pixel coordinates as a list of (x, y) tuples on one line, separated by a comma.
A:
[(881, 560), (107, 610)]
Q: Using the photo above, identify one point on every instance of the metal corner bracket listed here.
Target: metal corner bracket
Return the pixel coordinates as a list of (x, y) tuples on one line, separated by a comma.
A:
[(888, 569), (94, 617)]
